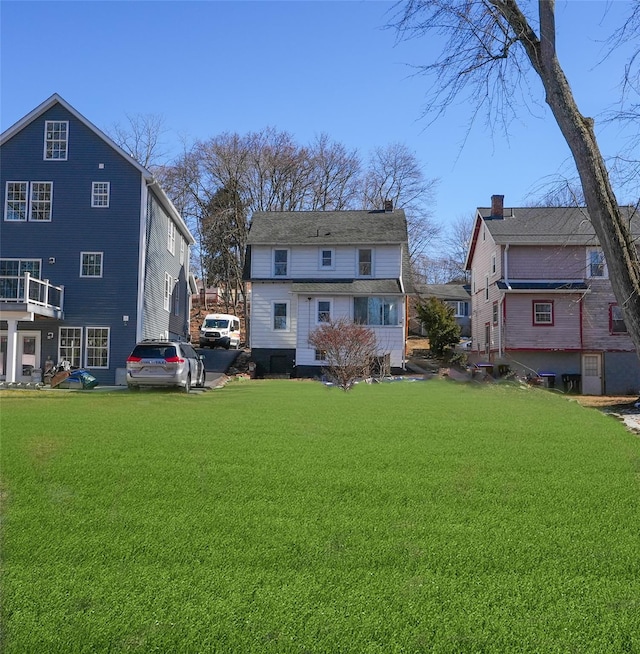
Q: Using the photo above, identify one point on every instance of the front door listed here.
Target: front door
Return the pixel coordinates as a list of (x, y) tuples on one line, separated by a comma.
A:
[(592, 374), (28, 355)]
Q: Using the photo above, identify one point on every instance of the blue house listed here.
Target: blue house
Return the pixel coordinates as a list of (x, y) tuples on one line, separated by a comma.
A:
[(93, 254)]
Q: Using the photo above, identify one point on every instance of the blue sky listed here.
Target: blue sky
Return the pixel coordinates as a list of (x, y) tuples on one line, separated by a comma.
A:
[(306, 67)]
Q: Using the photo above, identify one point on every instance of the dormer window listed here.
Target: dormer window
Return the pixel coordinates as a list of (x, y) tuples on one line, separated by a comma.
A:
[(56, 135), (280, 263), (365, 262), (596, 264)]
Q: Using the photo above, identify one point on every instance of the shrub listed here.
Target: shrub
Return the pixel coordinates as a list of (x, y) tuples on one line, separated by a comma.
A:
[(440, 324), (348, 349)]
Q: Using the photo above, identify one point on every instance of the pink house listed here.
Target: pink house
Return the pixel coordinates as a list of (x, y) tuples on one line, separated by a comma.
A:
[(542, 302)]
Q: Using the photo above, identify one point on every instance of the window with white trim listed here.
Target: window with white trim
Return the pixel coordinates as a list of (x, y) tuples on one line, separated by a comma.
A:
[(543, 313), (460, 308), (280, 263), (91, 264), (596, 264), (28, 201), (365, 262), (176, 299), (97, 347), (100, 192), (323, 313), (168, 288), (70, 345), (320, 355), (16, 201), (171, 236), (12, 273), (493, 264), (376, 311), (56, 137), (494, 313), (486, 288), (327, 259), (616, 320), (182, 248), (280, 312)]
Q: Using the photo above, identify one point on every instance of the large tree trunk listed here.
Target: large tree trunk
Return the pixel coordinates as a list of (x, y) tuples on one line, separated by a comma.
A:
[(611, 227)]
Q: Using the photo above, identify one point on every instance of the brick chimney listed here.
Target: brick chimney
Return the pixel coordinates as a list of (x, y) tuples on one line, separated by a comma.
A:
[(497, 206), (388, 205)]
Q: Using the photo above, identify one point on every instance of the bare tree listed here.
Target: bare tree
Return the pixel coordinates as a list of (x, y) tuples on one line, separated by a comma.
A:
[(348, 348), (395, 174), (141, 137), (456, 245), (491, 47)]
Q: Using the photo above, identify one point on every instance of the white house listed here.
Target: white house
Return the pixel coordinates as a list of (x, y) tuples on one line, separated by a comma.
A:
[(308, 267)]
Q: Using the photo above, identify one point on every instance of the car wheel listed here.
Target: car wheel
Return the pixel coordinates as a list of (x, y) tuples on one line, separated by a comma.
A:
[(187, 385)]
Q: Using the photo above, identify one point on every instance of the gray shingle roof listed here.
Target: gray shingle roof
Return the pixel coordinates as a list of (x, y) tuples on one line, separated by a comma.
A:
[(547, 225), (327, 227), (349, 287), (444, 291)]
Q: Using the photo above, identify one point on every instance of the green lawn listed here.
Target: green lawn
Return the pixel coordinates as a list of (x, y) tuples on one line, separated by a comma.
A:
[(277, 517)]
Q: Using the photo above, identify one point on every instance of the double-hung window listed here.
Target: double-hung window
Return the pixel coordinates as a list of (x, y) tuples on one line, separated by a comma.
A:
[(56, 139), (69, 345), (326, 259), (97, 347), (280, 316), (28, 201), (460, 308), (543, 313), (100, 192), (168, 289), (596, 264), (91, 264), (616, 320), (365, 262), (376, 311), (324, 311), (12, 273), (171, 236), (280, 263)]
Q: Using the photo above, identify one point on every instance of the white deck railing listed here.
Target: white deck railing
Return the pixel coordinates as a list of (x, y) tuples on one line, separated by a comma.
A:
[(31, 290)]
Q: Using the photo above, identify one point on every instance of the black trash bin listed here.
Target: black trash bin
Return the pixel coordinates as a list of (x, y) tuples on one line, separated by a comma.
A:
[(571, 383)]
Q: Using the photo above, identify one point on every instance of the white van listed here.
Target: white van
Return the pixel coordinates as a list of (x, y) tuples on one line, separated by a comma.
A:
[(220, 329)]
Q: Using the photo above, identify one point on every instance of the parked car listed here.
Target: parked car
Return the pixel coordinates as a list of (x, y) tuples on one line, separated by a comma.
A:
[(220, 329), (165, 363)]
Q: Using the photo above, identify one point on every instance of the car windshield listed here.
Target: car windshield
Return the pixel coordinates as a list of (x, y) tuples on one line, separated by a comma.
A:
[(216, 323), (154, 351)]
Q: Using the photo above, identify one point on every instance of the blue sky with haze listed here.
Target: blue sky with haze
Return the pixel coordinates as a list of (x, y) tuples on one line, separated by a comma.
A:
[(306, 67)]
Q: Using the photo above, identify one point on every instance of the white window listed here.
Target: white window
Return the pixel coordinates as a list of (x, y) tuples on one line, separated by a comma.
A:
[(168, 288), (543, 313), (100, 194), (91, 264), (327, 261), (70, 345), (376, 310), (56, 135), (596, 264), (97, 347), (486, 288), (323, 313), (16, 201), (182, 246), (280, 263), (12, 273), (171, 236), (460, 308), (280, 311), (28, 200), (493, 264), (365, 262)]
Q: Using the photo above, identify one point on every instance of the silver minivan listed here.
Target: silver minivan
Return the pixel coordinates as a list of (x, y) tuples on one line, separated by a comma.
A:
[(165, 363)]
